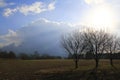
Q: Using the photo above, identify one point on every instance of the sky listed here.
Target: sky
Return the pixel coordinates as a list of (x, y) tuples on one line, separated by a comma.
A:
[(17, 13), (20, 20)]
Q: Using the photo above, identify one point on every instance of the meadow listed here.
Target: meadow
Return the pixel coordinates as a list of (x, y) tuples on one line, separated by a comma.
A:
[(58, 69)]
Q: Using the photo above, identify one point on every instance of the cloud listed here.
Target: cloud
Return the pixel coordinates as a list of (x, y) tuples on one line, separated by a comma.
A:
[(41, 35), (115, 4), (51, 6), (94, 2), (4, 4), (35, 8), (10, 38), (8, 12)]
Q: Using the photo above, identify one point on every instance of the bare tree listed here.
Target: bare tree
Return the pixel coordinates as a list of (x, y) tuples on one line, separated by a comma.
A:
[(74, 44), (93, 41), (96, 42), (112, 47)]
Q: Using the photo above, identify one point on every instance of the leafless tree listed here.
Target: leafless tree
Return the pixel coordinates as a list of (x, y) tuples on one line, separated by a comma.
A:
[(112, 47), (90, 40), (74, 44), (96, 42)]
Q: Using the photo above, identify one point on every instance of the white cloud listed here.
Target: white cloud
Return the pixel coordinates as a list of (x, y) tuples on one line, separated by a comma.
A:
[(34, 8), (10, 38), (4, 4), (94, 2), (41, 35), (9, 12), (51, 6)]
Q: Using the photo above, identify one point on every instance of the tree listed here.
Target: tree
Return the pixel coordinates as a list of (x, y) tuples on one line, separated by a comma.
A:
[(36, 55), (90, 41), (96, 42), (74, 44), (24, 56), (112, 47), (3, 54), (89, 55), (11, 55)]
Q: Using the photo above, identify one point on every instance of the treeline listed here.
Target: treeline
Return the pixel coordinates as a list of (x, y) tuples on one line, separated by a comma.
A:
[(100, 56), (5, 54), (25, 56)]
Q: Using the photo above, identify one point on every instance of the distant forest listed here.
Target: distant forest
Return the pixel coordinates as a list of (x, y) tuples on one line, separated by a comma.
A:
[(100, 56), (36, 55), (26, 56)]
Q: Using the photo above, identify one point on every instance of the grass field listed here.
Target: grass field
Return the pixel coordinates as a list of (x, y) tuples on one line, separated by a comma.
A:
[(58, 70)]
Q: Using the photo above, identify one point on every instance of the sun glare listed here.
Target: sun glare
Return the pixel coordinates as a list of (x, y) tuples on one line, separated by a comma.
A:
[(101, 18)]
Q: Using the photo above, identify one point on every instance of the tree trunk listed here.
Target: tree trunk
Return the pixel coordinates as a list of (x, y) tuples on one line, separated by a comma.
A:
[(97, 63), (96, 60), (76, 64), (111, 61), (76, 60)]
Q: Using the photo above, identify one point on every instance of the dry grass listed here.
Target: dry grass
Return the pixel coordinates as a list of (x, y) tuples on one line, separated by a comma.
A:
[(58, 70)]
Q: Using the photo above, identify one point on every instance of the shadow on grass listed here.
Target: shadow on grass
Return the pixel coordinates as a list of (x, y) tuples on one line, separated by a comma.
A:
[(93, 74)]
